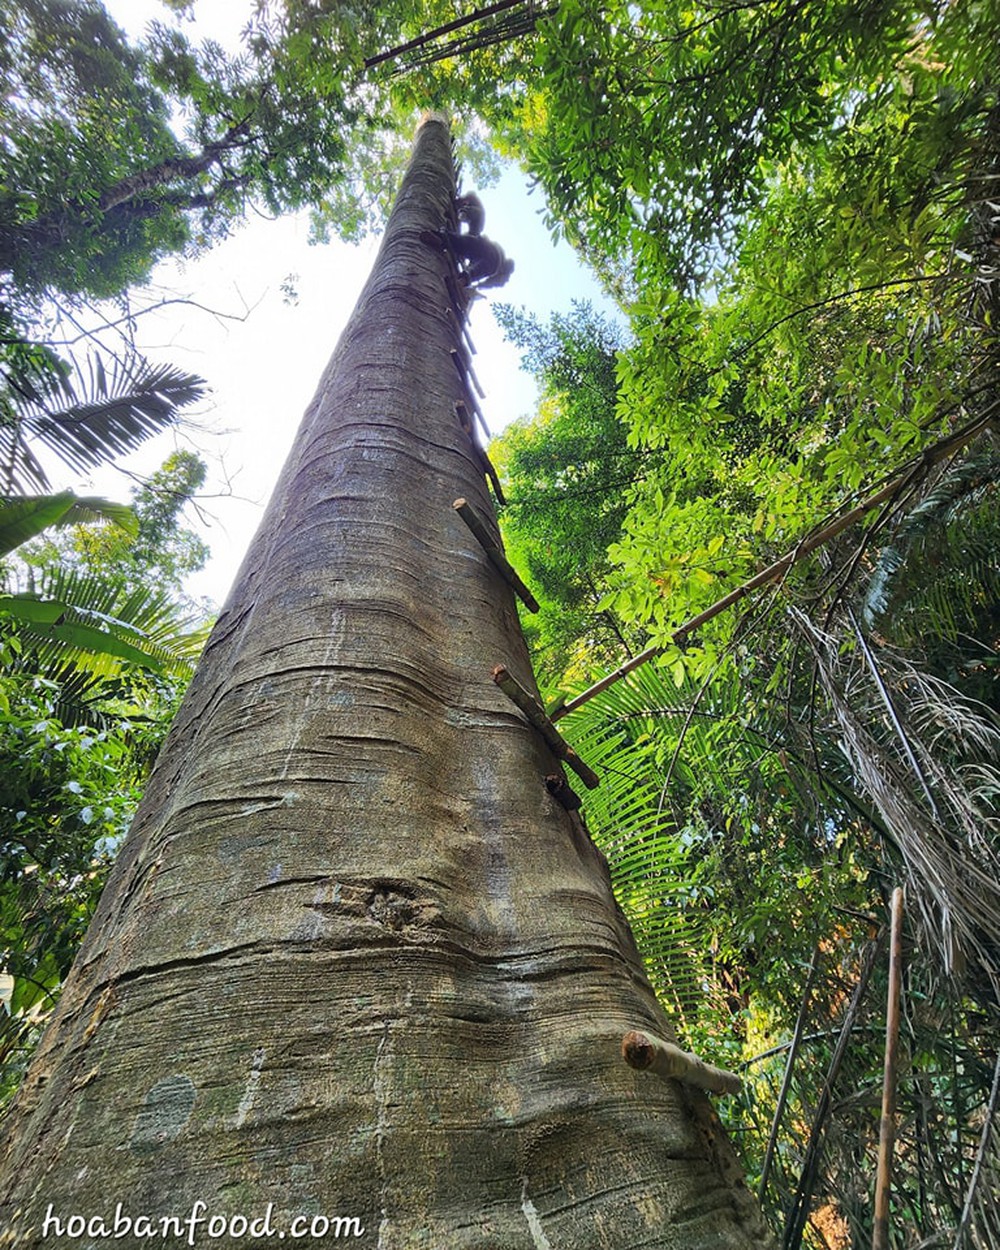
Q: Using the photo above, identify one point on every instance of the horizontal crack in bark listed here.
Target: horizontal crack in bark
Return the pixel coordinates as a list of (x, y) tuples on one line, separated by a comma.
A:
[(191, 961), (283, 882)]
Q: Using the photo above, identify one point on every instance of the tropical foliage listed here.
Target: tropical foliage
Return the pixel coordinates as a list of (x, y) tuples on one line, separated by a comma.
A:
[(93, 651), (67, 795), (566, 474), (803, 224), (91, 668)]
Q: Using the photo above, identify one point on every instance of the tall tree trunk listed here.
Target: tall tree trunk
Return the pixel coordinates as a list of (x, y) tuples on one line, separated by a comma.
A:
[(354, 961)]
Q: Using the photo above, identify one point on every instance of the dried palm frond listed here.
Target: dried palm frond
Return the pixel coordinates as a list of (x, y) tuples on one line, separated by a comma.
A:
[(929, 760)]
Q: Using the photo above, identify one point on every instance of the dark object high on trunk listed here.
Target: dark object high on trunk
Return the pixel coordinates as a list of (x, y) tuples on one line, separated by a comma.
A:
[(355, 961)]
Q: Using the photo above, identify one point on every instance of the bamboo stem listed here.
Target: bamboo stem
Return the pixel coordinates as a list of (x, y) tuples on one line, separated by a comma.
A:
[(464, 419), (798, 1211), (457, 24), (535, 713), (500, 562), (773, 571), (492, 474), (887, 1129), (456, 293), (463, 415), (647, 1053), (480, 417), (786, 1078), (463, 330), (982, 1154), (471, 374), (561, 791), (463, 362)]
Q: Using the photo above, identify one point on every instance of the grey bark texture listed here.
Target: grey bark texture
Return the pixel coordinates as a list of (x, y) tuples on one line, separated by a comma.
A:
[(354, 960)]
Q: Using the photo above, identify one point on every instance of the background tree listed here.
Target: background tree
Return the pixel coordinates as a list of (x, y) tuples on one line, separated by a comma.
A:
[(100, 185), (158, 550), (67, 796), (91, 665), (799, 205)]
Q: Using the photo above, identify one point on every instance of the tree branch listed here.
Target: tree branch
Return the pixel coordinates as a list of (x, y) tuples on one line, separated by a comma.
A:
[(184, 168)]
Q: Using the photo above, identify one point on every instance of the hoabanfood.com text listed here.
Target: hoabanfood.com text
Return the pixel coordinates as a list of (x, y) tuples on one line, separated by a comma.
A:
[(198, 1226)]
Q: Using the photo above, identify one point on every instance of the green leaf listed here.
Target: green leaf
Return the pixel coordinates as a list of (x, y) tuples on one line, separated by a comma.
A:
[(30, 991), (24, 518), (108, 414), (30, 610)]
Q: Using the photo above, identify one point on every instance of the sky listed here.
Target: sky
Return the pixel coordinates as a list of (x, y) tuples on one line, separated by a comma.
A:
[(263, 356)]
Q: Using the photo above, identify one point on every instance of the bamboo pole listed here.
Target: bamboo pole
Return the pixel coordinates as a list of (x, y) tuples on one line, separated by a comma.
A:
[(786, 1078), (980, 1167), (887, 1129), (647, 1053), (464, 419), (500, 562), (773, 571), (464, 359), (491, 473), (535, 713), (458, 294), (463, 330), (466, 374), (430, 35), (476, 410), (798, 1210), (561, 791)]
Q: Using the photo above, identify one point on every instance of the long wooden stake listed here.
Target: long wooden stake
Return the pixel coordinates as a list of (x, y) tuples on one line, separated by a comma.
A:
[(648, 1053), (500, 562), (464, 374), (773, 571), (462, 412), (535, 713), (887, 1130)]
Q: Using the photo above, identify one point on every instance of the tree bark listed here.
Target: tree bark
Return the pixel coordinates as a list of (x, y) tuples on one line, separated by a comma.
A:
[(354, 960)]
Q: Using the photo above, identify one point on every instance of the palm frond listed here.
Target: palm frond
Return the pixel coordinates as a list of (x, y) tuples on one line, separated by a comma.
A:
[(101, 626), (934, 792), (653, 856), (89, 416), (942, 564)]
